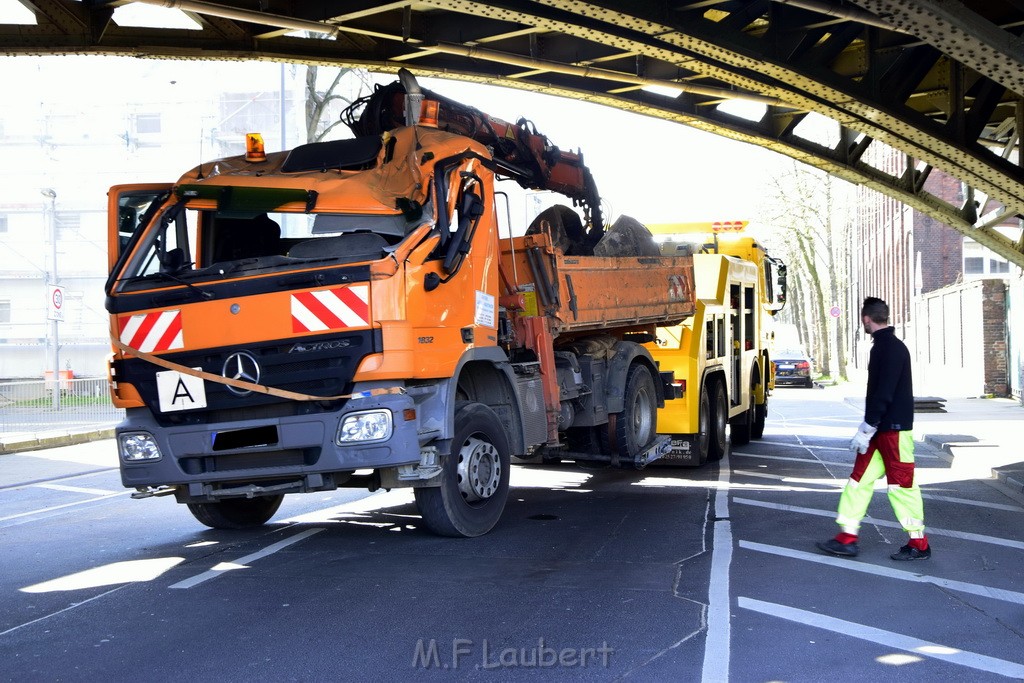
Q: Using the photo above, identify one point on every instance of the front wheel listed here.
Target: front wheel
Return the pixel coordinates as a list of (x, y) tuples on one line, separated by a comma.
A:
[(719, 419), (703, 426), (474, 477), (236, 513), (760, 417), (743, 424)]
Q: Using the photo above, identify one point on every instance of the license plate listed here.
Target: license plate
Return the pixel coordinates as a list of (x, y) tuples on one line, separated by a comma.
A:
[(786, 367), (178, 391)]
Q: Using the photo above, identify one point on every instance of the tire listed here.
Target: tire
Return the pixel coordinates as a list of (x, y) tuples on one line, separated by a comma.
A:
[(743, 424), (237, 513), (810, 383), (719, 419), (474, 477), (634, 427), (760, 417), (704, 427)]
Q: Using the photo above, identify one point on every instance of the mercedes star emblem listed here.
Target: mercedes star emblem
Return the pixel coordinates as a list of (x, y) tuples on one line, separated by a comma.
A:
[(243, 366)]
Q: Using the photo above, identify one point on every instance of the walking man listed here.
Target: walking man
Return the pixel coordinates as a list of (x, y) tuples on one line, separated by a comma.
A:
[(884, 443)]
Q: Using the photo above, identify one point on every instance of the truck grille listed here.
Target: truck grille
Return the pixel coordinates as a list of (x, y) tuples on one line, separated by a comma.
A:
[(321, 366)]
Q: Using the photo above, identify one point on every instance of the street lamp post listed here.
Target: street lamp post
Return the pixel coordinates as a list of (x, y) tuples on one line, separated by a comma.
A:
[(51, 279)]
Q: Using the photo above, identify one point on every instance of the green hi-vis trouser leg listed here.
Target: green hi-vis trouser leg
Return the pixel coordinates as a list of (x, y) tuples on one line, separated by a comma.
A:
[(892, 454)]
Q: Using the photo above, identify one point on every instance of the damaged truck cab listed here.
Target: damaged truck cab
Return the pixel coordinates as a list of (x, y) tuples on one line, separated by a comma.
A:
[(346, 314)]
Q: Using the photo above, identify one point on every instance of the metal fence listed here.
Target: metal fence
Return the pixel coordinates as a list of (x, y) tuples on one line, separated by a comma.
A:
[(66, 405)]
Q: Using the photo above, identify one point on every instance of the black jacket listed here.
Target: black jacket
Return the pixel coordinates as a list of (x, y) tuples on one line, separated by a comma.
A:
[(889, 404)]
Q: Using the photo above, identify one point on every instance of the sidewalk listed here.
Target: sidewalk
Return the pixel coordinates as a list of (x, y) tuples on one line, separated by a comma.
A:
[(982, 434), (18, 442)]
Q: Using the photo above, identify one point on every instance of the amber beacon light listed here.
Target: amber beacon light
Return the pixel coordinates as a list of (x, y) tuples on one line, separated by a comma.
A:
[(254, 150), (428, 113)]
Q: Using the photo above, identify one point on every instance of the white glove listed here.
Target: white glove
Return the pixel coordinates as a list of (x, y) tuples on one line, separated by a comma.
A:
[(860, 441)]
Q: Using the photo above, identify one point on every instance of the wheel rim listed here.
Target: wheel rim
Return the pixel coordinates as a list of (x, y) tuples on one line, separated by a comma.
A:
[(642, 422), (479, 470)]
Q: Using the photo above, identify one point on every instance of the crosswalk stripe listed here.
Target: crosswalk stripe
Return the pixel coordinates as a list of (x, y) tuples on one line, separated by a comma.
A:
[(931, 531), (888, 572), (887, 638)]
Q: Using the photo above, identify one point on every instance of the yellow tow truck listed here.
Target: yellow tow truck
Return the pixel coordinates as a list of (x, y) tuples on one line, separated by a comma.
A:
[(720, 355)]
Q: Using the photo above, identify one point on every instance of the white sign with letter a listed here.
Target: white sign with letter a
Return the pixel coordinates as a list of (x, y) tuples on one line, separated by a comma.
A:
[(178, 391)]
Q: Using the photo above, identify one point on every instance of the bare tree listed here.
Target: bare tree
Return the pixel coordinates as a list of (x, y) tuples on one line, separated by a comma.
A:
[(342, 88), (808, 215)]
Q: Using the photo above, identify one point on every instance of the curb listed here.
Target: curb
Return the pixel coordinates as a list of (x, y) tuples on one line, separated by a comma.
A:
[(55, 441), (1012, 481)]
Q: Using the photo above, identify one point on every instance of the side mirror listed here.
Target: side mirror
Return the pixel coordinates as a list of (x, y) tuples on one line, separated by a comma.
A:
[(471, 208)]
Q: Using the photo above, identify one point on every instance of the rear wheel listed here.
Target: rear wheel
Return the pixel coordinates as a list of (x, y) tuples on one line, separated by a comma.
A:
[(719, 419), (236, 513), (634, 426), (474, 477)]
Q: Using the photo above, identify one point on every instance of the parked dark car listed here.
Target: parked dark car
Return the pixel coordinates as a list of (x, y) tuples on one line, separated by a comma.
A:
[(792, 367)]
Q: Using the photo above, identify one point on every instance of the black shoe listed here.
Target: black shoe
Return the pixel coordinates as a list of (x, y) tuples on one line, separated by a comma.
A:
[(908, 552), (834, 547)]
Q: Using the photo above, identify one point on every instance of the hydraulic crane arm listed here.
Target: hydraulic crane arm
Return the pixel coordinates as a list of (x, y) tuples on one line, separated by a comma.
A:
[(521, 151)]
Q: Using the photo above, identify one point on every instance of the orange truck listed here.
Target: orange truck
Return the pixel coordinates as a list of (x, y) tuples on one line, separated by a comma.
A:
[(346, 314)]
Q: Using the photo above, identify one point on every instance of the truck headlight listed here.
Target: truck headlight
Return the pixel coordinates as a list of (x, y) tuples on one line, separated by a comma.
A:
[(368, 425), (136, 446)]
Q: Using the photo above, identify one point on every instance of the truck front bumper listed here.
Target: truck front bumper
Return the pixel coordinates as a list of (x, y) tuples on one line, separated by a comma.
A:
[(300, 449)]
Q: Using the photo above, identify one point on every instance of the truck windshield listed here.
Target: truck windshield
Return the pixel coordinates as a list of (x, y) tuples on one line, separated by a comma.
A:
[(202, 245)]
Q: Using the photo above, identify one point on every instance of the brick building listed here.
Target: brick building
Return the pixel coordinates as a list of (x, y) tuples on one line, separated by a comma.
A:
[(948, 296)]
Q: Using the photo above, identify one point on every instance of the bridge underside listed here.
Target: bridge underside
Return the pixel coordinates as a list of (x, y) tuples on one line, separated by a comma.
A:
[(939, 80)]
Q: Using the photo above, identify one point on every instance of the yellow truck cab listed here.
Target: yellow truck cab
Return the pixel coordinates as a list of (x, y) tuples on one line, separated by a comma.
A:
[(720, 357)]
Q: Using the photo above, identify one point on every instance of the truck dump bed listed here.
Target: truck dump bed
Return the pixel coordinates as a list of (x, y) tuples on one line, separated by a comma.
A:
[(584, 293)]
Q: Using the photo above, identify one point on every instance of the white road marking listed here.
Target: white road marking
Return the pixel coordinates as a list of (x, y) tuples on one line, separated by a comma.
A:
[(717, 645), (849, 463), (887, 572), (887, 638), (976, 503), (243, 562), (75, 489), (65, 505), (61, 611), (931, 531), (830, 483), (809, 447), (811, 461), (880, 485)]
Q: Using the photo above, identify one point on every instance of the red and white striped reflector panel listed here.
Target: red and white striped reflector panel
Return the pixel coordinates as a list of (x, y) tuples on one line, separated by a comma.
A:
[(149, 332), (331, 309)]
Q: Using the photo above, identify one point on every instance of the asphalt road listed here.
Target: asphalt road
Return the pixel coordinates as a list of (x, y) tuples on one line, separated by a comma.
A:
[(660, 575)]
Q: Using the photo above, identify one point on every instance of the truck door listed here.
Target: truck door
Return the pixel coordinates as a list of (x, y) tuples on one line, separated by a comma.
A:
[(128, 209)]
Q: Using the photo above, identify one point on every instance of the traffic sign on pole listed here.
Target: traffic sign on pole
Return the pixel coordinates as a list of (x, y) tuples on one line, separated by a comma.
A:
[(54, 302), (835, 311)]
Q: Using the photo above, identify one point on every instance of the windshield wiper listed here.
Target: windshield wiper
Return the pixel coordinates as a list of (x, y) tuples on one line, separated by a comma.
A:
[(173, 278)]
